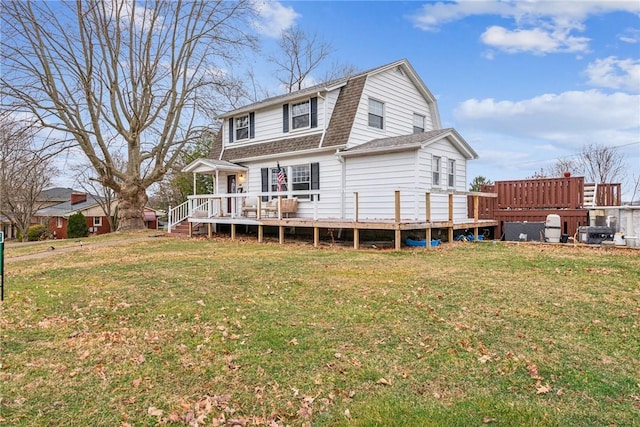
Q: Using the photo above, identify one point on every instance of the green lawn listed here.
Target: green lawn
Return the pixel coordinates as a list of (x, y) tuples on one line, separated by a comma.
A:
[(194, 332)]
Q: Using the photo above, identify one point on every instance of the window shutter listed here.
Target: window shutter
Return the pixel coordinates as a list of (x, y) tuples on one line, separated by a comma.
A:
[(231, 129), (315, 177), (285, 118), (314, 112), (252, 125), (264, 172)]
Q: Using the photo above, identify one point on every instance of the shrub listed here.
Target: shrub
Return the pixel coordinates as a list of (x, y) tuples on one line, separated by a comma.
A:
[(77, 226), (34, 232)]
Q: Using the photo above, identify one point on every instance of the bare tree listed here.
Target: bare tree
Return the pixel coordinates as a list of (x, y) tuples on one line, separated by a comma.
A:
[(121, 76), (24, 172), (300, 53), (565, 165), (602, 164)]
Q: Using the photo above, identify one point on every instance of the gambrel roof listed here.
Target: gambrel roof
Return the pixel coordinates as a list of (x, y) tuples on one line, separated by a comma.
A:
[(340, 124)]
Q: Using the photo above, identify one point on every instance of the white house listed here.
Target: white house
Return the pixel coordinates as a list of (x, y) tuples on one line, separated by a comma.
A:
[(367, 148)]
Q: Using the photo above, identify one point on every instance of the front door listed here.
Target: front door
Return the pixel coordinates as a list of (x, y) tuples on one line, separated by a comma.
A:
[(231, 188)]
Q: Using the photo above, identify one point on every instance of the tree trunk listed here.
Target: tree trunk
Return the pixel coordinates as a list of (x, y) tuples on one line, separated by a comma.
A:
[(131, 202)]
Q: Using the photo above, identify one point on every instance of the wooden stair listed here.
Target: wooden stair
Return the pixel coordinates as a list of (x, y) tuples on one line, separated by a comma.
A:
[(590, 191), (182, 229)]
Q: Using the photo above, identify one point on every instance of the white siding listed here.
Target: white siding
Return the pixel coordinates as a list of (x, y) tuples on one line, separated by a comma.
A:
[(401, 100), (330, 179), (268, 122)]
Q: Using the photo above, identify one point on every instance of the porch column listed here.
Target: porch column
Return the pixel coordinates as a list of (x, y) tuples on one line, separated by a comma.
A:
[(194, 184)]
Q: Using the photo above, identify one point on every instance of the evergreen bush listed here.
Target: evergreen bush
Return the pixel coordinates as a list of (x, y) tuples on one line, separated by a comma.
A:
[(77, 226)]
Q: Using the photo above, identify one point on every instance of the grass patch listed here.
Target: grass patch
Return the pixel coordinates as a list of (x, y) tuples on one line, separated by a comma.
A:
[(167, 331)]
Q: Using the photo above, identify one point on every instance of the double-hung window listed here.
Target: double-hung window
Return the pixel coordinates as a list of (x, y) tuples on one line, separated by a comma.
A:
[(301, 179), (436, 170), (97, 221), (274, 179), (418, 123), (376, 114), (242, 127), (301, 115), (451, 170)]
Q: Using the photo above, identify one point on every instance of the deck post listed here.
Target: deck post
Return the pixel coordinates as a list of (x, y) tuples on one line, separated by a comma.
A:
[(427, 206), (428, 238), (209, 230), (281, 234), (316, 237), (450, 234), (356, 238), (190, 229), (260, 233), (233, 231), (355, 206), (397, 218), (476, 210)]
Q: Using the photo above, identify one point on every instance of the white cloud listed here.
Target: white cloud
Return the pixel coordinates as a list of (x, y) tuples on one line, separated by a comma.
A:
[(539, 27), (615, 73), (536, 40), (274, 18), (569, 119)]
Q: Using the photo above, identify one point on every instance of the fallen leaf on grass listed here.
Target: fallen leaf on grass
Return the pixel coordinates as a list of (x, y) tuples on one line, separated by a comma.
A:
[(543, 389), (383, 381), (294, 341), (484, 359), (533, 371), (154, 412), (200, 302), (488, 420)]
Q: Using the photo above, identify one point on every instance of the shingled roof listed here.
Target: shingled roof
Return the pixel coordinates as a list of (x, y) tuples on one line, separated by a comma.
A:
[(336, 134), (412, 141)]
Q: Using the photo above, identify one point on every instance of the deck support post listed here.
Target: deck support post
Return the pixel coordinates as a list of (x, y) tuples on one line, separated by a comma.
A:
[(355, 206), (450, 236), (233, 232), (356, 238), (476, 210), (260, 233), (316, 237), (190, 229), (209, 230), (427, 210), (397, 218), (281, 234)]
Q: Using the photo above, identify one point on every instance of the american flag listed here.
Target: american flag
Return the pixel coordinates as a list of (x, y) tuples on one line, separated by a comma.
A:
[(281, 177)]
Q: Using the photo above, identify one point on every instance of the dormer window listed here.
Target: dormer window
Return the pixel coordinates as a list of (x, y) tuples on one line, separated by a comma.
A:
[(300, 115), (242, 127)]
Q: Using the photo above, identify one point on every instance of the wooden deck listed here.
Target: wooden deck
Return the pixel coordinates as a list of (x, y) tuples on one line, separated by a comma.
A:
[(355, 226)]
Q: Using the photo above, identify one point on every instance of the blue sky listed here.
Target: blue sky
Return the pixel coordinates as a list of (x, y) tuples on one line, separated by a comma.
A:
[(525, 83)]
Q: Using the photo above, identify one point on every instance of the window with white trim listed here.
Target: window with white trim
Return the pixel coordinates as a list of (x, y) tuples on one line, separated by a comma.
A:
[(418, 123), (376, 114), (301, 115), (58, 222), (301, 179), (451, 171), (436, 170), (274, 179), (242, 127), (97, 221)]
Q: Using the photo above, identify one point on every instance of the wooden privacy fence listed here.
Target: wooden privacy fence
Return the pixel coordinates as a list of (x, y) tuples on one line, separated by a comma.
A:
[(532, 200)]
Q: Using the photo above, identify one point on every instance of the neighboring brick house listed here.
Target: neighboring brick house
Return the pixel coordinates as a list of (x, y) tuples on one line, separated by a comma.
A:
[(61, 203)]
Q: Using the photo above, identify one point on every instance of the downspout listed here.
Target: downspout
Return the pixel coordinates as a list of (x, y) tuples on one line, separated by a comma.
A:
[(324, 120)]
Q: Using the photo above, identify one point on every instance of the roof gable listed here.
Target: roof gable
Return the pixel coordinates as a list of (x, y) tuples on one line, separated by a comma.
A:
[(412, 142)]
